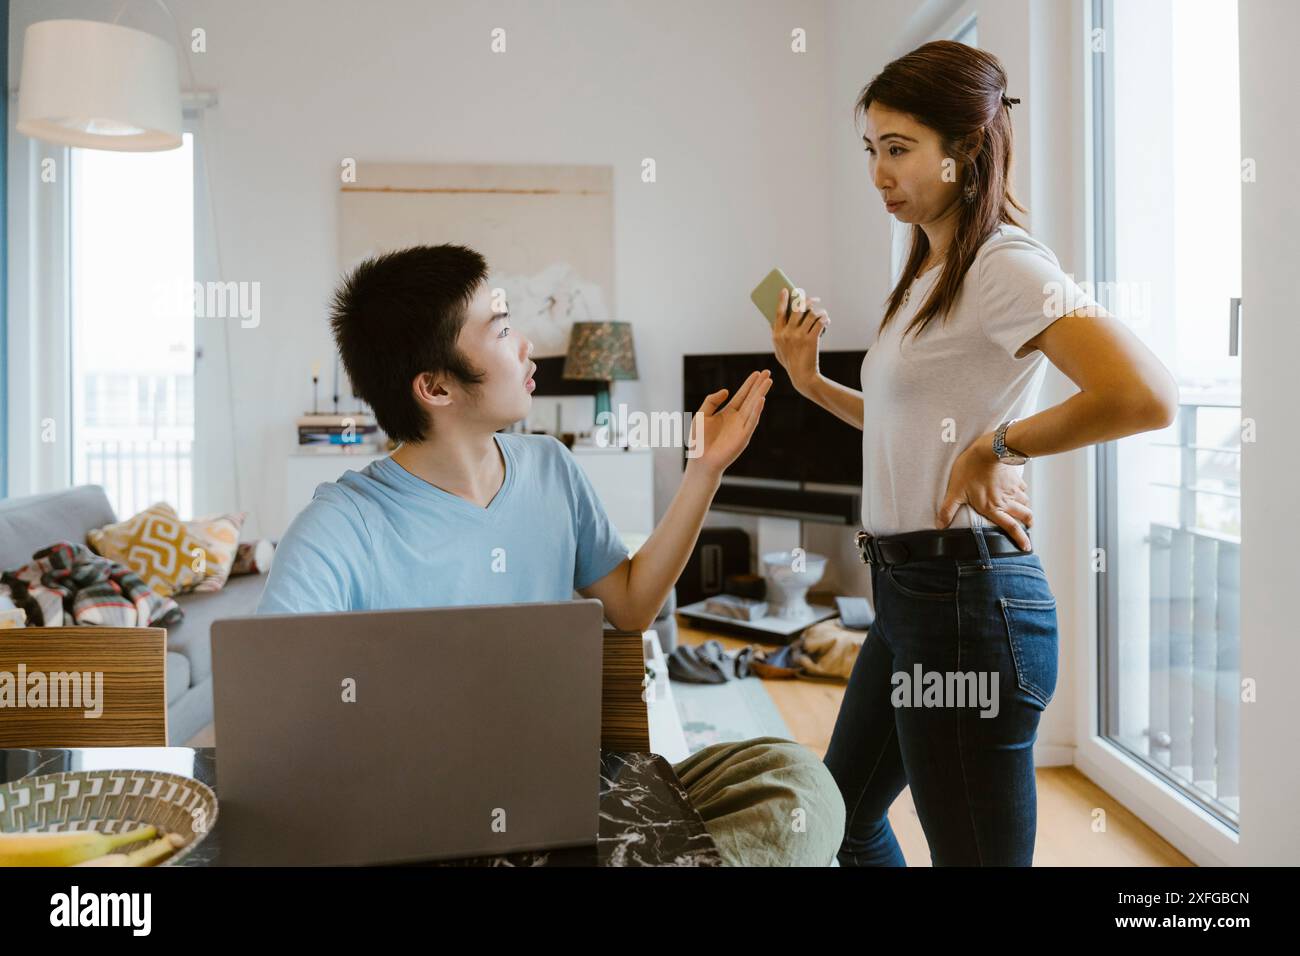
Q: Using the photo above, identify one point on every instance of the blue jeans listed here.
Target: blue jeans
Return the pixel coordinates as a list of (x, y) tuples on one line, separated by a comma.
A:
[(961, 739)]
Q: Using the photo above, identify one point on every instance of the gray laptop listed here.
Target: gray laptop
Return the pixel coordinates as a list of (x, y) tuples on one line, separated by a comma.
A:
[(402, 735)]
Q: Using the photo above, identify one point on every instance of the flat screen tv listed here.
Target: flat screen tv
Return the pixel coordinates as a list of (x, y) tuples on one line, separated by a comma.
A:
[(796, 440)]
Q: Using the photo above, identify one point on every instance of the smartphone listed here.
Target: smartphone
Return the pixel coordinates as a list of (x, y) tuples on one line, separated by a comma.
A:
[(768, 293)]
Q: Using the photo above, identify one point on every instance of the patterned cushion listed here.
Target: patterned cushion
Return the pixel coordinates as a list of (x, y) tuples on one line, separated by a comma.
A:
[(220, 537), (156, 545)]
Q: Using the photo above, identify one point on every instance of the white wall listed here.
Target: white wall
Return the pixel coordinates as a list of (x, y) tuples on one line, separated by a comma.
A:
[(710, 91), (1043, 48), (861, 38), (759, 163), (1270, 651), (1039, 46)]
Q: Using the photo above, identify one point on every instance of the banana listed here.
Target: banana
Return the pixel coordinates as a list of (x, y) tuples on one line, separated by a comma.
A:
[(64, 849), (145, 856)]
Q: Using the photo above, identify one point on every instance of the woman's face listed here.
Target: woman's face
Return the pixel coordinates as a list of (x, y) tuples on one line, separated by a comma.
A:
[(908, 166)]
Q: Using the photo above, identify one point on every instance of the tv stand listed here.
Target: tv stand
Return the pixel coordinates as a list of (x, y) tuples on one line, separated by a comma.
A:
[(832, 507)]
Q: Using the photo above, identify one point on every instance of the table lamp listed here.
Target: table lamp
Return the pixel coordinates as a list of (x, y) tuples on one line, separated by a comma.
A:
[(600, 352)]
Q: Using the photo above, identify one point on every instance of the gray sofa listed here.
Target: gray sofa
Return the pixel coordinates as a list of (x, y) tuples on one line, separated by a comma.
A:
[(31, 523)]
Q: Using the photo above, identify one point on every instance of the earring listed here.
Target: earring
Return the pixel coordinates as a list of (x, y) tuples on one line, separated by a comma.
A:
[(969, 193)]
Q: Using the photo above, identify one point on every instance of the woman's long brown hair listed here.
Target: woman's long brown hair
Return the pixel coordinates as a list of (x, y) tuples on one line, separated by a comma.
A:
[(959, 92)]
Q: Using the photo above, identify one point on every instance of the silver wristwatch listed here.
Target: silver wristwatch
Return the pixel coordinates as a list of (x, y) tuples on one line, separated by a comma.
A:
[(1007, 456)]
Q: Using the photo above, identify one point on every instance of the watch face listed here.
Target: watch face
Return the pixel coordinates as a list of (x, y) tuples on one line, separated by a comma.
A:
[(1013, 459)]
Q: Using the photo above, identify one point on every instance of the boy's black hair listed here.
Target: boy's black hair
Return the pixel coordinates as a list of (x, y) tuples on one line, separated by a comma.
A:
[(398, 315)]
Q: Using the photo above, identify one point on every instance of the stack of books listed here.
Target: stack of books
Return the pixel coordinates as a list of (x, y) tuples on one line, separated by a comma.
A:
[(331, 433)]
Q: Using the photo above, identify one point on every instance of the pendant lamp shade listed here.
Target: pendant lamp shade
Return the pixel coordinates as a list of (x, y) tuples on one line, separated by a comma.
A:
[(99, 86)]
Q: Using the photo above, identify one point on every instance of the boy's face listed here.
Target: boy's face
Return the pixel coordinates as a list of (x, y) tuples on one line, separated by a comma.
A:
[(502, 354)]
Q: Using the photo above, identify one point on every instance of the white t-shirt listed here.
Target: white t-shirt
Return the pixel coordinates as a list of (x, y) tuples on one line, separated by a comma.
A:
[(956, 380)]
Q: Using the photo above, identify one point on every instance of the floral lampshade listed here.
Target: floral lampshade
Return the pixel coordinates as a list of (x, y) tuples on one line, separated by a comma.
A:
[(600, 352)]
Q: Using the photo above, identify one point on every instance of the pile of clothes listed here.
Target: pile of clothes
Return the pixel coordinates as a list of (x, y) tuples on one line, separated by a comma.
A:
[(708, 663), (825, 651), (67, 584)]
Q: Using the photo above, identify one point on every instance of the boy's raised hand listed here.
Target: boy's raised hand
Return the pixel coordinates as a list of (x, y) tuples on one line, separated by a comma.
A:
[(718, 434)]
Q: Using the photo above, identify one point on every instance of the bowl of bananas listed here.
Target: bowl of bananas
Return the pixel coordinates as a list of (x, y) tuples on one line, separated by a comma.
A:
[(103, 818)]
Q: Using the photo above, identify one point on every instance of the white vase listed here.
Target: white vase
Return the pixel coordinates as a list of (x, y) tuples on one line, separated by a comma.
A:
[(789, 576)]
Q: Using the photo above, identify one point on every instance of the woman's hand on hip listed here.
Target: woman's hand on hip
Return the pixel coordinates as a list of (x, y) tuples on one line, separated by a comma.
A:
[(796, 335), (996, 491)]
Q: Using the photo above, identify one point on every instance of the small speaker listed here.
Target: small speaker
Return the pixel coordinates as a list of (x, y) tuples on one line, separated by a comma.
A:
[(720, 553)]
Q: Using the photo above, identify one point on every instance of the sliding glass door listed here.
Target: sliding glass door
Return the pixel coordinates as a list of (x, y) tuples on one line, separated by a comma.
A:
[(132, 354), (1167, 174)]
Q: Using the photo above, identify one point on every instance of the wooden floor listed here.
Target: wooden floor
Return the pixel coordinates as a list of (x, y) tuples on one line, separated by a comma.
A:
[(206, 737), (1067, 800)]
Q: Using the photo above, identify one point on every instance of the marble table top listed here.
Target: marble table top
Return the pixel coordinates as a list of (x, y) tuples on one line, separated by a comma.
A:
[(645, 818)]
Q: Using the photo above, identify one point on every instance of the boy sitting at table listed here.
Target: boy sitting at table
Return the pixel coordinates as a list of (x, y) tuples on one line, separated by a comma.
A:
[(429, 525)]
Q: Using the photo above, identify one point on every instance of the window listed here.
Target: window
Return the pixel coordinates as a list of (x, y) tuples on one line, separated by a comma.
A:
[(132, 352), (968, 33), (1167, 185)]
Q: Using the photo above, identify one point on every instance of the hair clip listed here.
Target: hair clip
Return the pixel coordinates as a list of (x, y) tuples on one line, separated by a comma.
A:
[(1008, 100)]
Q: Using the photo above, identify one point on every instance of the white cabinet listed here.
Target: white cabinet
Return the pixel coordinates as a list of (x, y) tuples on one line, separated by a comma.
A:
[(305, 470), (624, 483)]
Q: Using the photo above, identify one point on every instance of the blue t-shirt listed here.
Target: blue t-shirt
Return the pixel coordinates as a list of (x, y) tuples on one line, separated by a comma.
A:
[(382, 538)]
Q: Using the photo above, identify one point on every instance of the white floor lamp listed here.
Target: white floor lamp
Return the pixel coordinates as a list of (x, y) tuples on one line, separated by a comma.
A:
[(99, 86)]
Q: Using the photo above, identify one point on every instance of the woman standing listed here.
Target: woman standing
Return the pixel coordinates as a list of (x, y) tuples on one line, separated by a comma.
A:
[(949, 687)]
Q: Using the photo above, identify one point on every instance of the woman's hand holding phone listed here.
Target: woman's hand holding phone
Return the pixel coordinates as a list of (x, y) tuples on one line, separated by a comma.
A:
[(796, 336)]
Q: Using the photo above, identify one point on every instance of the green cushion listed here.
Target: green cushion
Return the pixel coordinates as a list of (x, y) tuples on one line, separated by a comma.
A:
[(766, 802)]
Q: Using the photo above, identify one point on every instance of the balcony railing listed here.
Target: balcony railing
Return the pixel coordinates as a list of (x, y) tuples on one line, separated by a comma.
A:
[(138, 473), (1194, 701), (1195, 649)]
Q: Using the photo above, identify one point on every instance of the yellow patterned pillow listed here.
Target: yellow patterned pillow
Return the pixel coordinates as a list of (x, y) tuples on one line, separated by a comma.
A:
[(156, 545), (220, 537)]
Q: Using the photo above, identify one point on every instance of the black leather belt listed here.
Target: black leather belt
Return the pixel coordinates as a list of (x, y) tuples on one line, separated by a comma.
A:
[(956, 543)]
